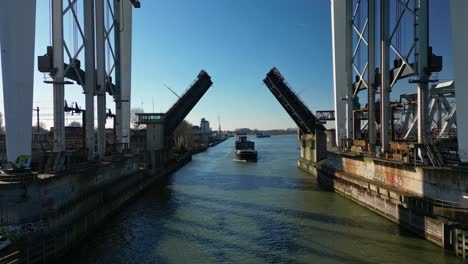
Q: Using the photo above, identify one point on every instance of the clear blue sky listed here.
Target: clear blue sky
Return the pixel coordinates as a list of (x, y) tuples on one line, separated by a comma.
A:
[(237, 43)]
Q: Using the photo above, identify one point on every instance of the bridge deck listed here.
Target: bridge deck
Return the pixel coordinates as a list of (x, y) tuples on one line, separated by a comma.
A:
[(176, 114), (299, 112)]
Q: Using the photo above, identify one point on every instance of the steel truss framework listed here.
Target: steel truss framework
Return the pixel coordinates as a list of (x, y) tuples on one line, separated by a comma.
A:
[(85, 45), (410, 60), (443, 110), (363, 41), (441, 114)]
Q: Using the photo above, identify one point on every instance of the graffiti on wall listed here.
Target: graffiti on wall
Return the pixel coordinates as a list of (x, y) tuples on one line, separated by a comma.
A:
[(369, 172), (393, 180), (379, 177)]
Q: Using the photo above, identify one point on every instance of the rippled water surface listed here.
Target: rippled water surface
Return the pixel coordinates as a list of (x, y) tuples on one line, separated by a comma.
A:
[(216, 210)]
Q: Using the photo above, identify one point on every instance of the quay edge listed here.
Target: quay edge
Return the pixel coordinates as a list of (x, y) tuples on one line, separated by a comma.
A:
[(415, 197)]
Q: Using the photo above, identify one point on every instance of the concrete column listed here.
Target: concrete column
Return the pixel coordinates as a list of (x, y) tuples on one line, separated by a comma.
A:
[(422, 60), (118, 71), (349, 69), (385, 75), (371, 76), (59, 91), (126, 68), (123, 52), (101, 77), (342, 71), (458, 14), (90, 85), (17, 36)]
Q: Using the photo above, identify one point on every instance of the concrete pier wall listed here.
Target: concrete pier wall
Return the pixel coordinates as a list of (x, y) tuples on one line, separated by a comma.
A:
[(313, 146), (418, 198), (431, 202), (448, 184), (72, 222), (430, 228), (22, 203)]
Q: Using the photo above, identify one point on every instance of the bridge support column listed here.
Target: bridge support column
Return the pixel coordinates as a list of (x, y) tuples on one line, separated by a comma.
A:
[(459, 9), (17, 36), (101, 78), (422, 60), (90, 81), (385, 75), (371, 77), (313, 146), (341, 13), (123, 48), (59, 91), (118, 75)]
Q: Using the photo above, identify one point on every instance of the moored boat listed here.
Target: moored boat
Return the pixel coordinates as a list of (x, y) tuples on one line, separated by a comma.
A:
[(263, 134)]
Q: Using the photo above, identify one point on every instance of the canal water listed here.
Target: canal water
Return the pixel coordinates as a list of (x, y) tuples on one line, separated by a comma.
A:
[(217, 210)]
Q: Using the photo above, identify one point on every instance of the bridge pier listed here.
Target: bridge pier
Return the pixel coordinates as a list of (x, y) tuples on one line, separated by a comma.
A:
[(313, 146)]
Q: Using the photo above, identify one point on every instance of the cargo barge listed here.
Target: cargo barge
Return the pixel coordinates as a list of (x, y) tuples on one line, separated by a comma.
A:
[(263, 134), (244, 149)]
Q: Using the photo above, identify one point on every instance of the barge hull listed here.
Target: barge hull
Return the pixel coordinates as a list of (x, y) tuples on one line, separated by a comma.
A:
[(246, 156)]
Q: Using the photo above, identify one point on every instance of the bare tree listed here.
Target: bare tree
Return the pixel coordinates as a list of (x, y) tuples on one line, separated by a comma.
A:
[(134, 117), (184, 137), (75, 124)]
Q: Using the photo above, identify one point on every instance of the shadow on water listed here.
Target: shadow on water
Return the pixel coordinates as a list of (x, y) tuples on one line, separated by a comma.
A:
[(128, 230), (146, 225), (256, 211), (275, 229), (252, 182), (276, 253)]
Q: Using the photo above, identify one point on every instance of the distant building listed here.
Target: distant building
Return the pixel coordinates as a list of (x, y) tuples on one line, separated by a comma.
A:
[(205, 126), (199, 137)]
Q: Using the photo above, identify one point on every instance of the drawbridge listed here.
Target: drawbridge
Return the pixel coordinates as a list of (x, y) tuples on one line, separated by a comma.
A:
[(177, 113), (161, 126), (297, 110), (180, 109)]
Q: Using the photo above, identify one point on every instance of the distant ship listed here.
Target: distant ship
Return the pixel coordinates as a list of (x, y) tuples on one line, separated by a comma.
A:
[(245, 149), (263, 134)]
